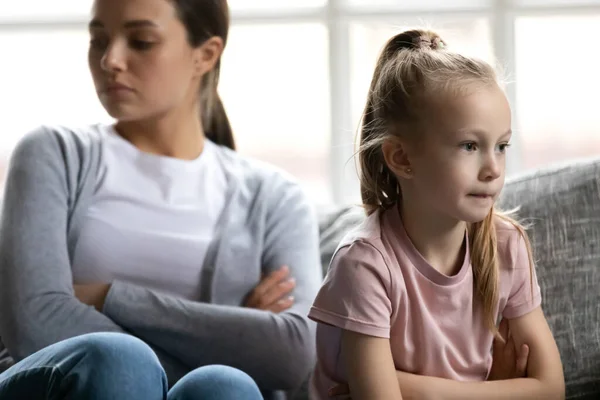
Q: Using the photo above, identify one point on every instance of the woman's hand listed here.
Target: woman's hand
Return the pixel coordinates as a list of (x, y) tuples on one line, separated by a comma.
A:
[(92, 294), (272, 293), (508, 363)]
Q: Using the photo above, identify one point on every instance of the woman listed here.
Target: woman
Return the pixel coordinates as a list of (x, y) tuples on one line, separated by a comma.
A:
[(154, 226)]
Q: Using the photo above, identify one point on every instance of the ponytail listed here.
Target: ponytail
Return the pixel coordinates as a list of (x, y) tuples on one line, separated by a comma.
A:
[(390, 100), (202, 20), (379, 187), (214, 118), (484, 248)]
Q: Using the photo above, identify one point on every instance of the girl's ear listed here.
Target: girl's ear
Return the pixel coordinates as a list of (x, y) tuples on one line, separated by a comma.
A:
[(396, 157)]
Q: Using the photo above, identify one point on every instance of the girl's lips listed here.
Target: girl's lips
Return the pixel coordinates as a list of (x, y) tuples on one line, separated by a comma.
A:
[(116, 87)]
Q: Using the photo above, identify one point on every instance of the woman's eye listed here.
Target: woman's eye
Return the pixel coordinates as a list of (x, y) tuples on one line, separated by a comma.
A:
[(98, 44), (141, 44)]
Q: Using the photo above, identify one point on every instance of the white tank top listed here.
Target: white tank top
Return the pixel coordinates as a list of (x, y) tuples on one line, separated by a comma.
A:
[(151, 218)]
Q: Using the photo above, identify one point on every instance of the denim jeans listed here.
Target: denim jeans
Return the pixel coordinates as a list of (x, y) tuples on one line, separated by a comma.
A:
[(114, 366)]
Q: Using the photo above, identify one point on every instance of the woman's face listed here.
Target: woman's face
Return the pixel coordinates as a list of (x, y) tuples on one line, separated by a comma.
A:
[(141, 61)]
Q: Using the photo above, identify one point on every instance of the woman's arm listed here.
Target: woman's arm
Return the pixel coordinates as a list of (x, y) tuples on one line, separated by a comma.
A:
[(277, 350), (37, 305), (369, 367), (544, 380)]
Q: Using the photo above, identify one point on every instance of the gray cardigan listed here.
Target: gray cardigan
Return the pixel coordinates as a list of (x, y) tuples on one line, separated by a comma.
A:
[(267, 222)]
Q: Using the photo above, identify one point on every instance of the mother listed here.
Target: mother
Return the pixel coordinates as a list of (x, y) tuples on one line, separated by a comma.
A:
[(154, 226)]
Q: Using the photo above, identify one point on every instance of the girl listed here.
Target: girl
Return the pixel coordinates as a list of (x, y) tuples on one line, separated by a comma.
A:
[(410, 303), (155, 227)]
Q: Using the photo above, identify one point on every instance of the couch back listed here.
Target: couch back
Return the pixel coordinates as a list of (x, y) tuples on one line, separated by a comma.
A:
[(562, 205)]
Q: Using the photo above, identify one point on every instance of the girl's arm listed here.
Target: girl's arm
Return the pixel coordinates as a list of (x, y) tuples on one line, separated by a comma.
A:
[(544, 380), (369, 367)]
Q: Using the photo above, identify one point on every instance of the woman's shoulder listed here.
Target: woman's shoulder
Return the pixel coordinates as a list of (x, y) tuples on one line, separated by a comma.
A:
[(257, 176), (52, 156), (59, 139)]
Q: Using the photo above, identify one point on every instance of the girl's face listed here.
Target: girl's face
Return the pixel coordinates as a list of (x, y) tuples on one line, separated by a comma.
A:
[(459, 166), (140, 59)]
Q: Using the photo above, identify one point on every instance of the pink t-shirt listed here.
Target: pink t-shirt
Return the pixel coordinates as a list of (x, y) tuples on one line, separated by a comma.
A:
[(379, 285)]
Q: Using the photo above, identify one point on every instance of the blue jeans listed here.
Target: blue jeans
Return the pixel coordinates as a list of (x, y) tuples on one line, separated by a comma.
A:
[(113, 366)]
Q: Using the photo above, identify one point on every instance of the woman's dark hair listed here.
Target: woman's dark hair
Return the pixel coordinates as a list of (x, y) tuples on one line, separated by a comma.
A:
[(204, 19)]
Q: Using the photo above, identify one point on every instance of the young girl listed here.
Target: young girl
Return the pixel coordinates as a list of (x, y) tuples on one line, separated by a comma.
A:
[(410, 303)]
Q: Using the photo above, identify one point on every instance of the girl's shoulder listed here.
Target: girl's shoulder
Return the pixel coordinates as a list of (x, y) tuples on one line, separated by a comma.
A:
[(512, 242), (364, 241), (369, 231)]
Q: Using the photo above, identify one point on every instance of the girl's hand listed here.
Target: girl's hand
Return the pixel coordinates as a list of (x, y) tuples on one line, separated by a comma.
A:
[(412, 388), (340, 391), (272, 293), (508, 363)]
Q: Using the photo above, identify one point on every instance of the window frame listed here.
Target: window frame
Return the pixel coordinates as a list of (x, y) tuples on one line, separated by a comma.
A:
[(337, 15)]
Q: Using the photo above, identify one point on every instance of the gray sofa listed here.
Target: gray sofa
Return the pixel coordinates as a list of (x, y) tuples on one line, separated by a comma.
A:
[(562, 205)]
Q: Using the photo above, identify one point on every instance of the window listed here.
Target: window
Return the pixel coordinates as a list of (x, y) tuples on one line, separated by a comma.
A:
[(470, 36), (44, 80), (568, 4), (274, 4), (296, 73), (275, 89), (44, 9), (61, 9), (557, 85), (421, 5)]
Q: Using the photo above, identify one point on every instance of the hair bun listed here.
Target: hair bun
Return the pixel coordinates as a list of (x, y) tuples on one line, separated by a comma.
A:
[(429, 41), (417, 39)]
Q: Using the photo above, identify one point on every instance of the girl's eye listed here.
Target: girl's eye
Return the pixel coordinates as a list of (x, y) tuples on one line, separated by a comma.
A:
[(470, 146), (502, 147)]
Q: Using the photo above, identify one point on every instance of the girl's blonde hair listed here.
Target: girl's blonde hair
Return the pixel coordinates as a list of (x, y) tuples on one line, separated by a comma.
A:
[(413, 67)]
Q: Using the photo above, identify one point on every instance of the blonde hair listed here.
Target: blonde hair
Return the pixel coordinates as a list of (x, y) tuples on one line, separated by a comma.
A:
[(413, 66)]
